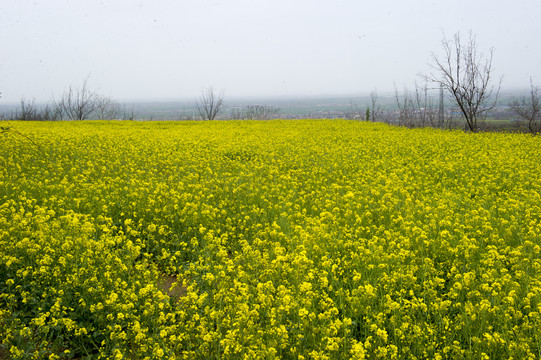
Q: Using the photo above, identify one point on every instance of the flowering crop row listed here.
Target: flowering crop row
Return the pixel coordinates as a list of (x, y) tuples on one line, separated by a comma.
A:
[(289, 239)]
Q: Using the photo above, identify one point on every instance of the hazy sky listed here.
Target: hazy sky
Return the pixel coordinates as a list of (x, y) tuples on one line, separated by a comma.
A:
[(172, 49)]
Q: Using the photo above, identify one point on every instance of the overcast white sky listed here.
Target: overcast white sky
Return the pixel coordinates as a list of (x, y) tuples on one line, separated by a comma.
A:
[(172, 49)]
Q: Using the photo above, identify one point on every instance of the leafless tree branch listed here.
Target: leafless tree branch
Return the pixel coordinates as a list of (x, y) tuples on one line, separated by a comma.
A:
[(107, 108), (466, 75), (528, 108), (78, 103), (375, 107), (209, 104), (255, 112)]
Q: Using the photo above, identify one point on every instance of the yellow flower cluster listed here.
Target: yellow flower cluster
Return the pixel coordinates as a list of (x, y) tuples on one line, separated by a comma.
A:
[(313, 239)]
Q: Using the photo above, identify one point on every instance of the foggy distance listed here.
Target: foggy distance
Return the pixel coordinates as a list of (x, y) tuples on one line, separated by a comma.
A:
[(145, 51)]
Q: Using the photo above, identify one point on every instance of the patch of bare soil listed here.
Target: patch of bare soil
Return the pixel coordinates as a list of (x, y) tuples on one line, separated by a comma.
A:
[(171, 285)]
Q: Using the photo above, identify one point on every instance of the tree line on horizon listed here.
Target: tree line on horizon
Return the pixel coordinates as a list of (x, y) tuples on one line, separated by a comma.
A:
[(463, 73)]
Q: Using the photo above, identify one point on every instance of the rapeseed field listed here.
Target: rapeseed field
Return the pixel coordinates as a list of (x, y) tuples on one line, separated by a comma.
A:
[(310, 239)]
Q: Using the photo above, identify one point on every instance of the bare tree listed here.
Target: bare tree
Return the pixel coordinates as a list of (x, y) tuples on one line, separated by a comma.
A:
[(29, 111), (406, 108), (237, 114), (107, 108), (261, 112), (427, 112), (209, 104), (375, 107), (255, 112), (466, 75), (416, 108), (527, 107), (52, 112), (78, 103)]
